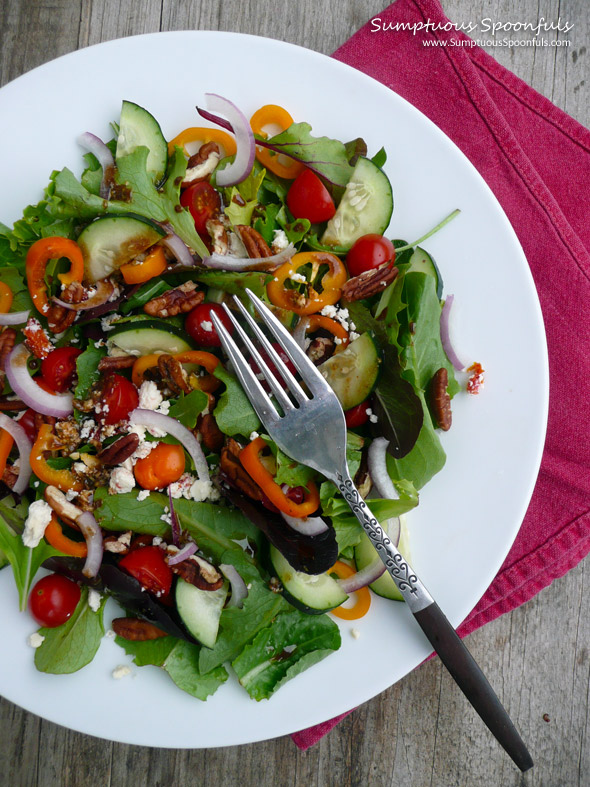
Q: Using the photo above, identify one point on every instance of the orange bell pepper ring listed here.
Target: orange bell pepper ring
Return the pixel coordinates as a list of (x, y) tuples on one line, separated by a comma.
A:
[(198, 357), (38, 256), (312, 301), (6, 443), (139, 271), (250, 459), (203, 135), (55, 536), (337, 330), (363, 595), (62, 479), (6, 297), (273, 115)]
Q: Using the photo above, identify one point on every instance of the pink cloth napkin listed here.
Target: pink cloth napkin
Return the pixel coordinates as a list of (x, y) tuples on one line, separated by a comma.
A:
[(536, 160)]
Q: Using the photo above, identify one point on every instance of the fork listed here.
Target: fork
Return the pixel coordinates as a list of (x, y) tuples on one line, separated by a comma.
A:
[(311, 429)]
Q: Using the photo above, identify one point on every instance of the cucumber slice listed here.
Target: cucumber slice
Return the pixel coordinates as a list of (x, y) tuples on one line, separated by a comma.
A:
[(149, 336), (422, 262), (311, 593), (365, 553), (137, 128), (353, 373), (366, 206), (200, 610), (112, 241)]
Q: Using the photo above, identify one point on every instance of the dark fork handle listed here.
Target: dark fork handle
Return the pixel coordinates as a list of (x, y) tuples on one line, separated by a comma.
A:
[(472, 682)]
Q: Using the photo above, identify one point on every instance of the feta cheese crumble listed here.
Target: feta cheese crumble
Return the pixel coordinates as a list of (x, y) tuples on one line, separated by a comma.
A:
[(122, 671), (94, 599), (121, 481), (35, 640), (37, 520), (150, 397)]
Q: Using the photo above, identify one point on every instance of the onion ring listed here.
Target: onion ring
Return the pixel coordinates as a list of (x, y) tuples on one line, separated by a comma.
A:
[(24, 446), (239, 591), (445, 336), (243, 162), (378, 469), (25, 387), (93, 536), (226, 262)]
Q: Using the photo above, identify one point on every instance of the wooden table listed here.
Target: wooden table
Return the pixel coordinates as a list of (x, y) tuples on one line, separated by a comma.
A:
[(421, 731)]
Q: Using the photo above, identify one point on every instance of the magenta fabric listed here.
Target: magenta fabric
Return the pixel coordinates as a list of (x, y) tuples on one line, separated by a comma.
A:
[(536, 160)]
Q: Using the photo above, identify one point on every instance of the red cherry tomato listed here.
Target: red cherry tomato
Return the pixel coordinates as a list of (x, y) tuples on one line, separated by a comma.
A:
[(369, 252), (308, 198), (53, 600), (357, 416), (149, 567), (59, 368), (199, 324), (119, 398), (203, 202), (27, 421), (284, 358)]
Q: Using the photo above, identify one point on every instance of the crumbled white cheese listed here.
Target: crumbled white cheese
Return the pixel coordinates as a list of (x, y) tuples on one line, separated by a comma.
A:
[(106, 323), (280, 241), (206, 325), (110, 634), (298, 277), (167, 518), (353, 335), (121, 481), (35, 640), (143, 494), (94, 599), (122, 671), (37, 520), (156, 541), (164, 408), (88, 427), (355, 633), (70, 495), (80, 467), (150, 397), (192, 488), (372, 417), (254, 436)]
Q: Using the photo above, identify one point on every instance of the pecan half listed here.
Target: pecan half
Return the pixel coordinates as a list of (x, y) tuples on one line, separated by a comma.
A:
[(136, 630), (199, 572), (119, 451), (369, 283), (213, 437), (178, 301), (219, 237), (255, 244), (36, 338), (118, 545), (12, 404), (201, 164), (234, 473), (173, 374), (112, 363), (7, 340), (59, 318), (320, 349), (440, 401), (65, 510)]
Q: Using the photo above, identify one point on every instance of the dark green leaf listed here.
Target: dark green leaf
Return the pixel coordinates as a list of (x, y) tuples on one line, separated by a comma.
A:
[(87, 369), (187, 408), (380, 157), (145, 293), (234, 413)]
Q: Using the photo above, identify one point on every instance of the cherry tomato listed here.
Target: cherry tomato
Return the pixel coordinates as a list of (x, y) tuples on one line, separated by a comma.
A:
[(53, 600), (59, 368), (27, 421), (357, 416), (284, 358), (162, 466), (308, 198), (369, 252), (203, 202), (199, 324), (119, 398), (149, 567)]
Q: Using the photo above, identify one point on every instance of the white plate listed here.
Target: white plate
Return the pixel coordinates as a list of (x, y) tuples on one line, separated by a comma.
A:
[(469, 514)]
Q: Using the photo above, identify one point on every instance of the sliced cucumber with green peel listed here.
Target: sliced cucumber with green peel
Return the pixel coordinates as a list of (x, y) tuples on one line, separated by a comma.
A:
[(311, 593), (353, 373), (149, 336), (200, 610), (422, 262), (365, 208), (365, 554), (138, 128), (111, 241)]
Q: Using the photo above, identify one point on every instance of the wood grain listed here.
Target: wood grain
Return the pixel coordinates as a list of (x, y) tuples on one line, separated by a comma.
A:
[(420, 732)]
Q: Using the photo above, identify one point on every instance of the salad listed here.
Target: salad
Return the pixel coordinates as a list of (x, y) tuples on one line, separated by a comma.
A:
[(133, 465)]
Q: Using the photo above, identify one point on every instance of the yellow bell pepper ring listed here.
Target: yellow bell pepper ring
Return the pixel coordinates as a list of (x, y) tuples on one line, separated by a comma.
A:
[(311, 301), (274, 116)]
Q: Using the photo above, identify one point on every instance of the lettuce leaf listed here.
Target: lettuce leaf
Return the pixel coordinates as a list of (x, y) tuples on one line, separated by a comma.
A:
[(234, 413)]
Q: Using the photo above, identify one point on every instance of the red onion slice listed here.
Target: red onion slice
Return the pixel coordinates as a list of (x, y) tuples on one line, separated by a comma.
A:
[(174, 523), (93, 536), (239, 591), (104, 291), (184, 553), (14, 318), (308, 526), (24, 446), (178, 248), (226, 262), (25, 387), (149, 418), (97, 147), (378, 469), (300, 332), (445, 335), (243, 162), (376, 568)]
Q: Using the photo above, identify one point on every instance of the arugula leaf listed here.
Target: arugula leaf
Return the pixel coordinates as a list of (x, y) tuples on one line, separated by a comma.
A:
[(25, 561), (180, 660), (380, 157), (73, 645), (293, 643), (326, 157), (426, 458), (234, 413), (267, 223), (241, 200), (87, 369), (233, 282), (188, 407), (37, 222)]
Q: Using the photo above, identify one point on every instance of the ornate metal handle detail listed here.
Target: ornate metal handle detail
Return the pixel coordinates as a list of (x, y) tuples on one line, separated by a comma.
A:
[(401, 572)]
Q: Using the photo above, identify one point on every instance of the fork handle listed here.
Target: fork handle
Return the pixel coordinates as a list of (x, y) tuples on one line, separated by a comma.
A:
[(442, 636)]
